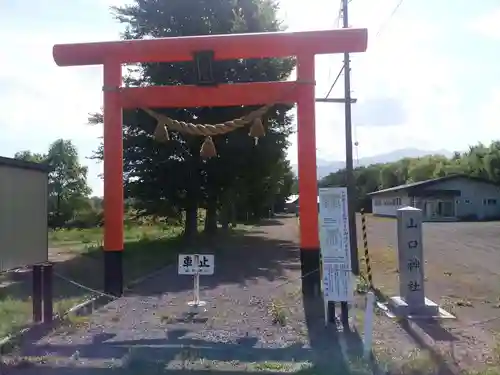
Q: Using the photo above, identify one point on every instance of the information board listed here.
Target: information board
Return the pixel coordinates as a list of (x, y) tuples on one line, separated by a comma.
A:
[(335, 245)]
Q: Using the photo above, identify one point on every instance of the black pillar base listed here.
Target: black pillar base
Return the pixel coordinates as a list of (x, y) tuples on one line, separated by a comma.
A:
[(113, 273), (309, 264)]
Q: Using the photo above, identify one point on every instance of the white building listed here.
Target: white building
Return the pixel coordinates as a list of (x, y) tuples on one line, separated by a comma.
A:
[(292, 204), (455, 197)]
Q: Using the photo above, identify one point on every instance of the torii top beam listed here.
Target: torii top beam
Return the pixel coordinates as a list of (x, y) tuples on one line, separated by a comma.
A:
[(225, 47)]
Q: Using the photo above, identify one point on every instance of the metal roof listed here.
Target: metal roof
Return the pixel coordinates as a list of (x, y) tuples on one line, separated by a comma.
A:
[(23, 164), (293, 198), (429, 182)]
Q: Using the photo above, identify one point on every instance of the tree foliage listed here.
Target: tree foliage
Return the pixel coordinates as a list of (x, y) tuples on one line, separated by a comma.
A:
[(478, 161), (67, 185), (170, 179)]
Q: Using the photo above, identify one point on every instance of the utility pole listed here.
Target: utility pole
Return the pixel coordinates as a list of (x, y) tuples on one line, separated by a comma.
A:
[(349, 164)]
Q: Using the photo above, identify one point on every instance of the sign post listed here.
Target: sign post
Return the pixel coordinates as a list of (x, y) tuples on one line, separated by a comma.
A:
[(335, 247), (412, 301), (196, 265)]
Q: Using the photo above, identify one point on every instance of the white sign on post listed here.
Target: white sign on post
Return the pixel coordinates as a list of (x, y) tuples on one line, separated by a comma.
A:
[(196, 265), (335, 245), (191, 264)]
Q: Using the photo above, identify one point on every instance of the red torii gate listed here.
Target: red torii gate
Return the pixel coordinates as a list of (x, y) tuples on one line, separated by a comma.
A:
[(303, 45)]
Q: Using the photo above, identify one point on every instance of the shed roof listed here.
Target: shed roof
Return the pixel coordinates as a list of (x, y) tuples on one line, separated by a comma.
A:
[(294, 198), (23, 164), (426, 183)]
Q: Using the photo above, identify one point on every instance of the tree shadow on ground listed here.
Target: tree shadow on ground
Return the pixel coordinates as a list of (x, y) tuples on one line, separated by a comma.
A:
[(267, 222), (177, 353), (147, 255), (240, 258)]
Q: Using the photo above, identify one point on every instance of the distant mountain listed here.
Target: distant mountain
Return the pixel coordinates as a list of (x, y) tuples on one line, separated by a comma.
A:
[(326, 167)]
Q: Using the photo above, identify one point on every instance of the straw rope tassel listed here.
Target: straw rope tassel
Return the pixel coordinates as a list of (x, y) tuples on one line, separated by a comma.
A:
[(208, 148), (257, 130)]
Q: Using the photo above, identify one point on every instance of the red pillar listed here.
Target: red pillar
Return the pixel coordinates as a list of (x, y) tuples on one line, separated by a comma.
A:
[(308, 184), (113, 179)]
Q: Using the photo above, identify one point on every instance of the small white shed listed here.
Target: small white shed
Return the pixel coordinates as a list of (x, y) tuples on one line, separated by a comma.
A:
[(23, 213)]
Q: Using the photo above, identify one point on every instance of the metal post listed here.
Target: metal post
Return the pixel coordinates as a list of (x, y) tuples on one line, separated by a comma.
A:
[(48, 309), (197, 288), (37, 293), (349, 163), (196, 302)]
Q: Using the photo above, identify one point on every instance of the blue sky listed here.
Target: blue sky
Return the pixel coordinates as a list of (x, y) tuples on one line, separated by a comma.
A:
[(430, 80)]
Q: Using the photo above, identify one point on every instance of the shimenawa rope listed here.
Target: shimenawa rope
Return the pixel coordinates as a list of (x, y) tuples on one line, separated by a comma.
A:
[(257, 130)]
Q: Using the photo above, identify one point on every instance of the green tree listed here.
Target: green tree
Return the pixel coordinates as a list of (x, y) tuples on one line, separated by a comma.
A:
[(68, 189), (29, 156), (170, 179), (478, 161)]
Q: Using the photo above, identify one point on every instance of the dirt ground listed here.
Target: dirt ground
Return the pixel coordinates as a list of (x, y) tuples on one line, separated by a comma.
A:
[(462, 274), (256, 320), (462, 266)]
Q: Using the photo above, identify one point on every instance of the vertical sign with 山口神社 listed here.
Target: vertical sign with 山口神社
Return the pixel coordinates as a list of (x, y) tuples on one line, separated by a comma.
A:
[(410, 254), (334, 244)]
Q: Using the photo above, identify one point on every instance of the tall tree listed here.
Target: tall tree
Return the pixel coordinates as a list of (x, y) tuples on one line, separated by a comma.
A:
[(167, 179), (68, 189)]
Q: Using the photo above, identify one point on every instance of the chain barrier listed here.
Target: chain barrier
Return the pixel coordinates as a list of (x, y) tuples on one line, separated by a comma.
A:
[(102, 294), (114, 298), (287, 282)]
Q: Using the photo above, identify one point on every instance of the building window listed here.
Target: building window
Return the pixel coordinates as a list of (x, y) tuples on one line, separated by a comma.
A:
[(490, 202)]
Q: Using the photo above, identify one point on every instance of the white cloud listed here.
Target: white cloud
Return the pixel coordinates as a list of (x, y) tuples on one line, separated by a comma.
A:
[(43, 102), (487, 24)]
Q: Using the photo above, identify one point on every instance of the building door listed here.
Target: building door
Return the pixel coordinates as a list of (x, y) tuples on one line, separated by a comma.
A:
[(429, 209), (446, 208)]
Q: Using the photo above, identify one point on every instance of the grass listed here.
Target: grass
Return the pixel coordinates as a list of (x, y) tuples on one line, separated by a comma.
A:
[(78, 257), (278, 313)]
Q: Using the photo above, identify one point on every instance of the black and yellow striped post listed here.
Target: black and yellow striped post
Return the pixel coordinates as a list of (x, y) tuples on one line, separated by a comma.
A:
[(367, 254)]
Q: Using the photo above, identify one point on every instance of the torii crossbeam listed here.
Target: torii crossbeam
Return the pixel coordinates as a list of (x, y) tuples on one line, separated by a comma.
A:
[(111, 55)]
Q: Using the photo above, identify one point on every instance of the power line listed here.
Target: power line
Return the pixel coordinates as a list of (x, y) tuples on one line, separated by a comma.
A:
[(337, 24), (382, 28)]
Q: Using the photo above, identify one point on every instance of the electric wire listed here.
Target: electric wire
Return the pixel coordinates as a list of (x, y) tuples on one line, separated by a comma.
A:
[(380, 30)]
